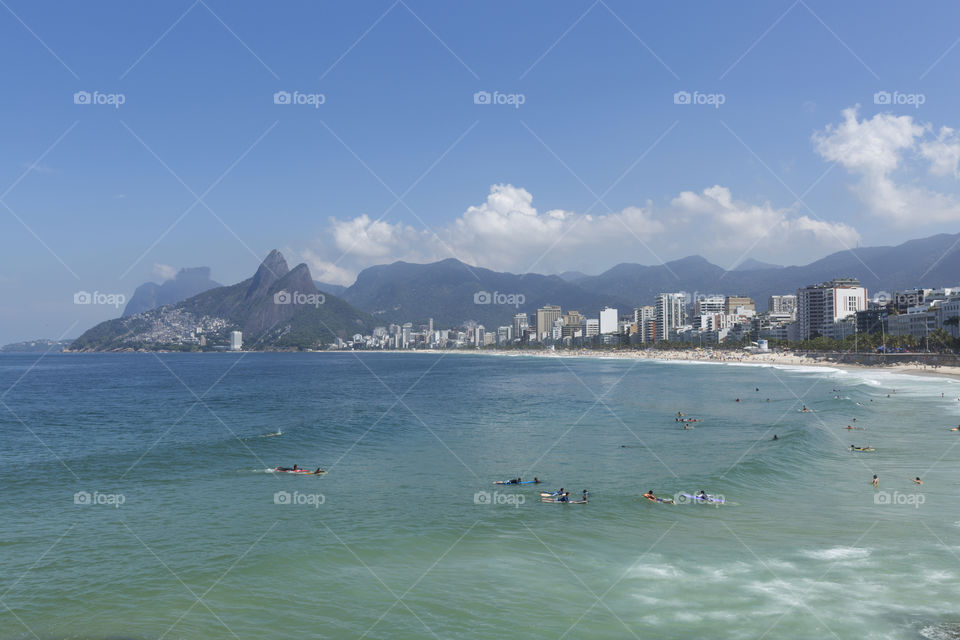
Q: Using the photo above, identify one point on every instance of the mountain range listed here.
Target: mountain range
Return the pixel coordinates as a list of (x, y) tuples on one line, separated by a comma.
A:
[(444, 290), (452, 292)]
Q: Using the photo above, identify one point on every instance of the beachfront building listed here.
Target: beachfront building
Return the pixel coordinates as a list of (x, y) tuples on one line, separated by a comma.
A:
[(572, 325), (236, 340), (591, 327), (504, 335), (783, 305), (671, 313), (556, 332), (644, 313), (947, 314), (873, 320), (546, 316), (709, 305), (520, 325), (738, 305), (918, 322), (608, 321), (648, 330), (820, 306)]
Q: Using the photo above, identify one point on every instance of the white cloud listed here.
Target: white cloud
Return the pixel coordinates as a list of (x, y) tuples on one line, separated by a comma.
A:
[(506, 232), (725, 227), (164, 271), (877, 147), (326, 271), (943, 153)]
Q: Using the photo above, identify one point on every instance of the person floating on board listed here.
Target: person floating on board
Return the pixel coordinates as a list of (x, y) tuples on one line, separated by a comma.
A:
[(318, 471), (649, 495), (775, 437), (586, 495), (536, 480)]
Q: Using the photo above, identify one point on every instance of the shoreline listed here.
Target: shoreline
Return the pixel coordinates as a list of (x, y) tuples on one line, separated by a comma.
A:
[(772, 358)]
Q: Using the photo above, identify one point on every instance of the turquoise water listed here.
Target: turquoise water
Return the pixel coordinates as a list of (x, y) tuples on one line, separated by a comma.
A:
[(395, 541)]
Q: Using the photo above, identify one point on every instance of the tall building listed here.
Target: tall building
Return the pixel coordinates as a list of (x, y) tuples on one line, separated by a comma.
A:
[(504, 335), (608, 320), (591, 327), (572, 319), (783, 304), (641, 314), (236, 340), (556, 332), (546, 315), (572, 324), (819, 306), (520, 325), (671, 313), (709, 305), (732, 302)]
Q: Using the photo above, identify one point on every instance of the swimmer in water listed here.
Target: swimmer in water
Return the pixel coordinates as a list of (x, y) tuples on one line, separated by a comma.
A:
[(917, 480), (875, 482)]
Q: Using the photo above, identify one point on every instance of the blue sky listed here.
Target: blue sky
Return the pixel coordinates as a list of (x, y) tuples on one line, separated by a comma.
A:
[(598, 165)]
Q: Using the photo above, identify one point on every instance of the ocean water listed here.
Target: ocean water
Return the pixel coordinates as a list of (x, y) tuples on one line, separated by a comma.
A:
[(135, 502)]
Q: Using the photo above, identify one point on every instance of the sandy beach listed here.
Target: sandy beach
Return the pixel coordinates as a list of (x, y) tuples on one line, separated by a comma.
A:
[(738, 357)]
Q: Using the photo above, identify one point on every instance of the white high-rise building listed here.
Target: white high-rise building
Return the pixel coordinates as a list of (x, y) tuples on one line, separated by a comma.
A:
[(608, 320), (236, 340), (671, 313), (709, 305), (591, 327), (520, 325), (819, 306)]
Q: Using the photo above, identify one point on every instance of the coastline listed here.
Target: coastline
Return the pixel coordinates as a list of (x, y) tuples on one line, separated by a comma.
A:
[(772, 358), (775, 359)]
